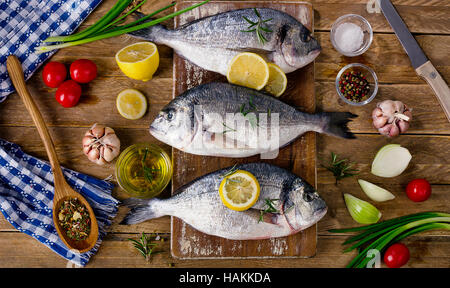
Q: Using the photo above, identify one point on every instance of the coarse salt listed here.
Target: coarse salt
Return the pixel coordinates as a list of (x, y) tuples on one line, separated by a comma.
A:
[(349, 37)]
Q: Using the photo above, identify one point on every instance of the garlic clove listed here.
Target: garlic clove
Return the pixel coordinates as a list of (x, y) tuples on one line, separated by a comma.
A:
[(403, 126), (98, 130)]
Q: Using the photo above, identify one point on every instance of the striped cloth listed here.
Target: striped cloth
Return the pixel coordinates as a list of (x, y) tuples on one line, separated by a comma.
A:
[(26, 199), (24, 24)]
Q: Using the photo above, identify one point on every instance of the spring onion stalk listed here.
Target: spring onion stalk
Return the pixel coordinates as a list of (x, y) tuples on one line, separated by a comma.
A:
[(116, 28), (122, 18), (107, 18), (388, 232), (119, 30), (382, 226)]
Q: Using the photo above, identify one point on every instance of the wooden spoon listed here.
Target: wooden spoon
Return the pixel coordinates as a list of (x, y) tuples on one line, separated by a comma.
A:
[(62, 190)]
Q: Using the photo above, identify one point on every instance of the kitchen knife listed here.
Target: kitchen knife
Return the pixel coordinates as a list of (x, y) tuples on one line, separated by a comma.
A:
[(419, 61)]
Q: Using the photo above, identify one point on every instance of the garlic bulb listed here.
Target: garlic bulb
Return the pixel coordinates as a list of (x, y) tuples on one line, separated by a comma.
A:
[(391, 118), (100, 144)]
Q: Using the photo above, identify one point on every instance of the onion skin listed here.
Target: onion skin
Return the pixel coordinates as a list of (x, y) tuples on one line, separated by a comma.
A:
[(391, 118), (101, 144)]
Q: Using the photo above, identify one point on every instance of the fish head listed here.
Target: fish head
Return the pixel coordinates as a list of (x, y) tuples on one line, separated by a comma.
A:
[(298, 46), (175, 125), (303, 206)]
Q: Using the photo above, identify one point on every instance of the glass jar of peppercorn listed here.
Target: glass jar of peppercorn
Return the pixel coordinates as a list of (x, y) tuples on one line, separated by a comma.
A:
[(357, 84)]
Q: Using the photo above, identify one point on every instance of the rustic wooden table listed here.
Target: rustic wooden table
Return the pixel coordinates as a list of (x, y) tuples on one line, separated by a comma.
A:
[(428, 138)]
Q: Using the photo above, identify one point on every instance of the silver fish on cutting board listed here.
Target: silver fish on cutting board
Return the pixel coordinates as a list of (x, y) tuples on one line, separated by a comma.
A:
[(212, 42), (198, 203), (226, 120)]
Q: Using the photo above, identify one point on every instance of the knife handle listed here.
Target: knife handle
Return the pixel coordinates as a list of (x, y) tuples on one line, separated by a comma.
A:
[(440, 88)]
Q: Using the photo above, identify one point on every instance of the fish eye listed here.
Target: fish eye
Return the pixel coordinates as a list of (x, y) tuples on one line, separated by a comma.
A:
[(308, 197), (169, 115), (306, 37)]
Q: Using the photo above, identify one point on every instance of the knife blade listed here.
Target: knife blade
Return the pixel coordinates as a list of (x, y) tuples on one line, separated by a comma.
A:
[(419, 61), (408, 42)]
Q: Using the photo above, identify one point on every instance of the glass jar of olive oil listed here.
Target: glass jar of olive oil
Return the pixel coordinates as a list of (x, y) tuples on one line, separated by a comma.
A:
[(143, 170)]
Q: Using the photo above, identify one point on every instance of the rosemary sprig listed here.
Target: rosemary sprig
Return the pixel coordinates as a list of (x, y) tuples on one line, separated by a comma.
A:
[(144, 246), (258, 27), (229, 171), (227, 129), (252, 118), (340, 168), (269, 208), (148, 172)]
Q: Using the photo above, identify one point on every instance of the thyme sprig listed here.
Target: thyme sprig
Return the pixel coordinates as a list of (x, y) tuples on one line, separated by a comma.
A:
[(144, 246), (258, 27), (341, 168), (148, 172)]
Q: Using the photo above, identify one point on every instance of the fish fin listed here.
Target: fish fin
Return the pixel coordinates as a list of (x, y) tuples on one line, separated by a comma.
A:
[(153, 33), (336, 124), (141, 210)]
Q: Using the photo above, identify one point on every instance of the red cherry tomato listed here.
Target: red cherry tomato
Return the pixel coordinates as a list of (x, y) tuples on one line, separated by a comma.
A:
[(83, 71), (68, 93), (418, 190), (396, 255), (54, 74)]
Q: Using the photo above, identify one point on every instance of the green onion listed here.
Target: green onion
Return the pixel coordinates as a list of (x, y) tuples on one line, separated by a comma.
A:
[(381, 235), (94, 34), (122, 18), (108, 17), (361, 211)]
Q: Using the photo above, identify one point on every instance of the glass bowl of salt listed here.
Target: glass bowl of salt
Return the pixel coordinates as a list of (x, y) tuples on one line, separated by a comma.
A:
[(351, 35)]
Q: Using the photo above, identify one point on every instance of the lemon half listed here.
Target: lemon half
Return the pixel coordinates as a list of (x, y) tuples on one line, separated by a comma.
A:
[(277, 83), (239, 191), (131, 104), (138, 61), (249, 70)]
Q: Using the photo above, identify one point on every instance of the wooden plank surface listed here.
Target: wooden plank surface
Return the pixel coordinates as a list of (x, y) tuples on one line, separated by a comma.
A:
[(428, 138), (187, 242)]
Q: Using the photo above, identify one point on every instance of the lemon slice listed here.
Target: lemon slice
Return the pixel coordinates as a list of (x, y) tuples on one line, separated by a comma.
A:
[(138, 61), (277, 83), (249, 70), (239, 191), (131, 104)]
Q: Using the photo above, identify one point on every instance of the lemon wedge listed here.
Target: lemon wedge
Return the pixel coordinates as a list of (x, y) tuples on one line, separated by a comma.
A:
[(138, 61), (131, 104), (249, 70), (239, 191), (277, 83)]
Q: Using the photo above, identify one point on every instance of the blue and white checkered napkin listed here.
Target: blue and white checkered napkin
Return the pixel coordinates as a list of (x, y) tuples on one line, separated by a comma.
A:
[(24, 24), (26, 199)]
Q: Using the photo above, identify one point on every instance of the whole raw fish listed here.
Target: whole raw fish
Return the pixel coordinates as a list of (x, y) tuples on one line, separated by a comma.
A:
[(213, 41), (221, 119), (198, 203)]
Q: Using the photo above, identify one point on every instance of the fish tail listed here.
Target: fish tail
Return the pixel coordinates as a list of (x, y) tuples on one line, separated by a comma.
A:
[(335, 124), (156, 33), (141, 210)]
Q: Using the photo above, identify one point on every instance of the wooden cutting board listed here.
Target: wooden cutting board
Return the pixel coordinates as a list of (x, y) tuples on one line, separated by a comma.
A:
[(299, 157)]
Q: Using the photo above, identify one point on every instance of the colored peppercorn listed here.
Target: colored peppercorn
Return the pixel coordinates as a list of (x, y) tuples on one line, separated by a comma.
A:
[(354, 86)]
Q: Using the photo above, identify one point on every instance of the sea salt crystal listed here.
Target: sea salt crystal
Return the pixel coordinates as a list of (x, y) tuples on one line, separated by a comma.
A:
[(349, 37)]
